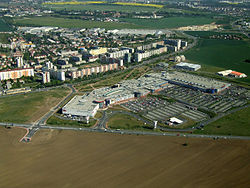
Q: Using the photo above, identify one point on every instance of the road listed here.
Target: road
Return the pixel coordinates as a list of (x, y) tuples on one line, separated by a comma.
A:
[(131, 132), (36, 126)]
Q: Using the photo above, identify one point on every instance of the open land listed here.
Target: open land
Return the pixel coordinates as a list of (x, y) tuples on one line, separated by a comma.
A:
[(72, 23), (102, 7), (227, 54), (236, 123), (29, 107), (123, 121), (171, 22), (4, 37), (80, 159), (4, 26), (128, 23), (55, 121)]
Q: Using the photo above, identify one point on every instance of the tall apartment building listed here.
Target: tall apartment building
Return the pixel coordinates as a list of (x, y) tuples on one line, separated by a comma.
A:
[(16, 73), (58, 74), (46, 77), (19, 62)]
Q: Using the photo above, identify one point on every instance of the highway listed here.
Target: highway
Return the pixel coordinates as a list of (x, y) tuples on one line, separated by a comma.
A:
[(131, 132)]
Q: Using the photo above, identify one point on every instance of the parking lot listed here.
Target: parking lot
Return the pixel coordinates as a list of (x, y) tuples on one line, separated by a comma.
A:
[(157, 109), (212, 102)]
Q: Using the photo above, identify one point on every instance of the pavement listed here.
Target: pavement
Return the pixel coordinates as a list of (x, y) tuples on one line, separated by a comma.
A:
[(131, 132)]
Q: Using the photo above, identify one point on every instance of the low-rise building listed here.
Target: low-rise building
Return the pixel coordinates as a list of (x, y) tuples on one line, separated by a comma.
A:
[(81, 107), (187, 66)]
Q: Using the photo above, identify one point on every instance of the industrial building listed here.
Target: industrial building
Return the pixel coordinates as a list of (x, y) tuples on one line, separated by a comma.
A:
[(187, 66), (204, 84), (232, 74), (224, 73), (16, 73), (237, 74)]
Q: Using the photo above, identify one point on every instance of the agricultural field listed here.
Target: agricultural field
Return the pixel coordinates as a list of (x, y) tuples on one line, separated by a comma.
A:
[(3, 26), (171, 22), (236, 123), (138, 4), (56, 159), (72, 23), (75, 3), (101, 7), (128, 23), (224, 54), (27, 108)]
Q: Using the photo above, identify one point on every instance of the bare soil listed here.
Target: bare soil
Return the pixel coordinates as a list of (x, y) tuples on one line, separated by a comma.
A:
[(69, 159)]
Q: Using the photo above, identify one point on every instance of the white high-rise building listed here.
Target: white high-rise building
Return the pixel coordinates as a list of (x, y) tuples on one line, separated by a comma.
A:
[(19, 62), (49, 65), (46, 77)]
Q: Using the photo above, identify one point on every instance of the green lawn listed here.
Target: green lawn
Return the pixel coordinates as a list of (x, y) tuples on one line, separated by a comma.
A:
[(226, 54), (234, 124), (55, 121), (3, 26), (123, 121), (72, 23), (171, 22), (29, 107)]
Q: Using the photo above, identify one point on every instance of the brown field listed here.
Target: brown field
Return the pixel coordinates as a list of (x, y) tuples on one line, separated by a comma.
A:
[(69, 159)]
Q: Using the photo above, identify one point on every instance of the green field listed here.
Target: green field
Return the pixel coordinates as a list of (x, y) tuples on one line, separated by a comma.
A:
[(171, 22), (72, 23), (123, 121), (207, 34), (226, 54), (29, 107), (236, 123), (3, 26), (55, 121)]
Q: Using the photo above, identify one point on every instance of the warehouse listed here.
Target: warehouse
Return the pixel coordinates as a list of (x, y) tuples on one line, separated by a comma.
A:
[(196, 82), (187, 66), (237, 74), (232, 74), (224, 73)]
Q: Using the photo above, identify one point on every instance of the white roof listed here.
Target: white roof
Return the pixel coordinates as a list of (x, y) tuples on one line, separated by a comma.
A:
[(184, 64), (175, 120), (225, 72)]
